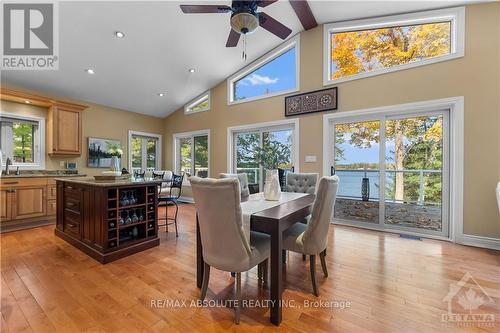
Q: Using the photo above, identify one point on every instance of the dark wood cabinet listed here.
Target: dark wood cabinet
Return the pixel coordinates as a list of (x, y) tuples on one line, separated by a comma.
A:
[(98, 219)]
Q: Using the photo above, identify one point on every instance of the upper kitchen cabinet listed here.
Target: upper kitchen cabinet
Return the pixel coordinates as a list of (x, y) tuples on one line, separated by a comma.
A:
[(64, 121), (64, 129)]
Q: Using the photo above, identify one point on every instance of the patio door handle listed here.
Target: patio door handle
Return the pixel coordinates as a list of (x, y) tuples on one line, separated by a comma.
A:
[(332, 170)]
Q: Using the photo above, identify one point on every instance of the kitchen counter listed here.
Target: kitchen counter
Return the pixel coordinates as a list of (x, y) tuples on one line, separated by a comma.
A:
[(90, 181), (41, 175)]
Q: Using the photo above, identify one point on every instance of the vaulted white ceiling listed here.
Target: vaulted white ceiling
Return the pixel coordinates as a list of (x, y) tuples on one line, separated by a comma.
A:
[(161, 44)]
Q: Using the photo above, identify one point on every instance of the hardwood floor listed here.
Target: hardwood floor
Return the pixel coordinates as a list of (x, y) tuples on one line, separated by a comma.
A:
[(393, 285)]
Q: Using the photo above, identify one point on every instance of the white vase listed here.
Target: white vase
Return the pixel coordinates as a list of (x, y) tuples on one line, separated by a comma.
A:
[(272, 189), (115, 164)]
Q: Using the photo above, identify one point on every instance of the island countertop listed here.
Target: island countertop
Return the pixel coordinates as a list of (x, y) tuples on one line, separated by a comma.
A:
[(90, 181)]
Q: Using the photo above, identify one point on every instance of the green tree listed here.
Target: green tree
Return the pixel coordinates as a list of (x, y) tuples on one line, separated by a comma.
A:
[(23, 142)]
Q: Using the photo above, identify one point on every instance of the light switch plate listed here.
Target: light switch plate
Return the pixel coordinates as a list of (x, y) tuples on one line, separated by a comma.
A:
[(310, 158)]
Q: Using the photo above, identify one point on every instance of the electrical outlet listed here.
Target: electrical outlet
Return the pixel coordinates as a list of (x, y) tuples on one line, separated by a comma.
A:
[(310, 158)]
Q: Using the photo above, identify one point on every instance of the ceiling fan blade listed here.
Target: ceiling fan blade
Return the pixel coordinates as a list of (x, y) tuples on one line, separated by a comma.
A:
[(304, 13), (233, 39), (273, 26), (265, 3), (195, 9)]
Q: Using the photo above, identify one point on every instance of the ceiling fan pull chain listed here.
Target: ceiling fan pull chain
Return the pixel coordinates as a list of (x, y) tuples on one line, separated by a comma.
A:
[(244, 54)]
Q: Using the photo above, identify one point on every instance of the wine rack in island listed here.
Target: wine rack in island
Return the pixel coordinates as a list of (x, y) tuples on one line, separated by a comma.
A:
[(108, 221)]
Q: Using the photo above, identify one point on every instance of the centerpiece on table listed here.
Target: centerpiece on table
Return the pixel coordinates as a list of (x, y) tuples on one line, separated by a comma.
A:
[(273, 155)]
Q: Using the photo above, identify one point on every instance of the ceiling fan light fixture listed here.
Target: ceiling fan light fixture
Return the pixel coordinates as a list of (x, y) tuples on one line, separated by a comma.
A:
[(244, 22)]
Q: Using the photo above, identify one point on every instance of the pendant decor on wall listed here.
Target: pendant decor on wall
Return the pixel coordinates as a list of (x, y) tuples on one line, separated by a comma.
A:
[(314, 101)]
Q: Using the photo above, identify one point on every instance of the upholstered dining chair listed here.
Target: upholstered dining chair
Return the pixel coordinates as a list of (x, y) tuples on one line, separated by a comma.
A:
[(243, 179), (301, 182), (311, 238), (225, 245)]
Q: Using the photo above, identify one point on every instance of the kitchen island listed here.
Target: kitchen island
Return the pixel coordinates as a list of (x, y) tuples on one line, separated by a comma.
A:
[(108, 220)]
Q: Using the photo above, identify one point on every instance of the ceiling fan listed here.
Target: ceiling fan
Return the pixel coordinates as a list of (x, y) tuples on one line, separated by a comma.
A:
[(245, 18)]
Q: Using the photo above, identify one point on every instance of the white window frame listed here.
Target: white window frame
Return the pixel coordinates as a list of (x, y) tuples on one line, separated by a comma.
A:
[(455, 174), (158, 147), (292, 124), (455, 15), (267, 58), (188, 108), (39, 153), (176, 149)]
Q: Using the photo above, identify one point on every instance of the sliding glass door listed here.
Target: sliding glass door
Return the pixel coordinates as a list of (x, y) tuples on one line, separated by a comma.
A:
[(393, 172), (261, 149), (191, 156)]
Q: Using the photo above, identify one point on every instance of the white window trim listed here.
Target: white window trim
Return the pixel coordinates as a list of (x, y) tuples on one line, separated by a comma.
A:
[(287, 123), (176, 148), (198, 99), (270, 56), (146, 134), (456, 150), (455, 15), (40, 153)]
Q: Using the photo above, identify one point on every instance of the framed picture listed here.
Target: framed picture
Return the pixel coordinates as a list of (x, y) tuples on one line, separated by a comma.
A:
[(100, 152), (314, 101)]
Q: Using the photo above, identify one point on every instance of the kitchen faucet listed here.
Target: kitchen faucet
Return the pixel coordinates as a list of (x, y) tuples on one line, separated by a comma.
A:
[(8, 162)]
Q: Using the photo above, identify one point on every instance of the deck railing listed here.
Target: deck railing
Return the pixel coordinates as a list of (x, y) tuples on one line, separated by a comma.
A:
[(392, 174)]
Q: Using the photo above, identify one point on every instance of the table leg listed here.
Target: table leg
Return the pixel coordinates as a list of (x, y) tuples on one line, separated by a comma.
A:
[(199, 256), (276, 276)]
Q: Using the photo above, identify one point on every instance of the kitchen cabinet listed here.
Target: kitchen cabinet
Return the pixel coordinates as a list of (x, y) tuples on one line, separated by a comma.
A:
[(64, 121), (64, 129), (27, 202)]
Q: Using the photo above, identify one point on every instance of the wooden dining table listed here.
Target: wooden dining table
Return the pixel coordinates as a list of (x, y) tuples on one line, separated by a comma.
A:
[(272, 221)]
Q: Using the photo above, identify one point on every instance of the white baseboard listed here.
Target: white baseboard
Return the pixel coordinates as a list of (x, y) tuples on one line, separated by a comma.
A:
[(186, 199), (479, 241)]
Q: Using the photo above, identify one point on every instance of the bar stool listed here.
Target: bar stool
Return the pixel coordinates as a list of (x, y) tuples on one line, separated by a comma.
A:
[(175, 183)]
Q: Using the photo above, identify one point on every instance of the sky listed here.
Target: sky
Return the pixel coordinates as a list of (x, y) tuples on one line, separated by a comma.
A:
[(277, 75)]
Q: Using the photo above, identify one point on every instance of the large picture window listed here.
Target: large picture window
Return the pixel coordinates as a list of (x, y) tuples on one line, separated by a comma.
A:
[(22, 141), (365, 48), (274, 74)]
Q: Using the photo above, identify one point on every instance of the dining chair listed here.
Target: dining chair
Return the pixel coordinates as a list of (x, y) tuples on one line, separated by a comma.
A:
[(225, 245), (243, 180), (171, 198), (300, 183), (311, 238)]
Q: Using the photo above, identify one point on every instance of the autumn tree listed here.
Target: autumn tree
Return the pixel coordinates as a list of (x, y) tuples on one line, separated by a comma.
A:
[(368, 50)]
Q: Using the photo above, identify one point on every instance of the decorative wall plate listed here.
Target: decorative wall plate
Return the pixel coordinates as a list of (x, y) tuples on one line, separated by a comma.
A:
[(314, 101)]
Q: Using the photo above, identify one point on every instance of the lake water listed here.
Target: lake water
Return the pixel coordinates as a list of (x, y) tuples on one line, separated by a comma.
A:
[(350, 183)]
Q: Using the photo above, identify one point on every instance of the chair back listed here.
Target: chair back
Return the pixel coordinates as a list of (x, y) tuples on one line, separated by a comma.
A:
[(176, 185), (217, 202), (243, 180), (301, 182), (139, 174), (315, 237), (158, 175)]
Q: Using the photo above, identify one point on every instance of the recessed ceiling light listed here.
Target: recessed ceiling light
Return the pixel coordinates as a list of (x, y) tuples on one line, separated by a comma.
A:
[(192, 70), (90, 71), (27, 102), (161, 94), (119, 34)]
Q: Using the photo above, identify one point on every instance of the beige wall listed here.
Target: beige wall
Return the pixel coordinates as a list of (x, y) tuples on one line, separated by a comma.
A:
[(97, 121), (475, 76)]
